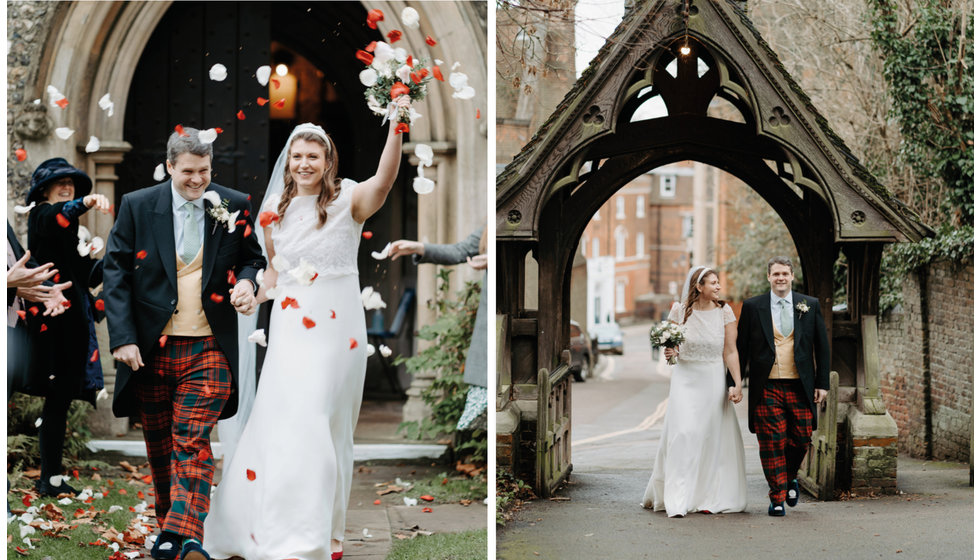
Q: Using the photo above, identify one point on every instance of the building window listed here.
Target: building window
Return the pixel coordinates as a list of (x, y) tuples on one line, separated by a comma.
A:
[(620, 244), (620, 296), (639, 245), (595, 247), (641, 206), (620, 208), (583, 246), (668, 186), (687, 226)]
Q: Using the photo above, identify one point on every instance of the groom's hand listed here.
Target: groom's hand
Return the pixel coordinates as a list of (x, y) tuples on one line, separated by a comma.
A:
[(243, 297), (819, 395), (129, 354)]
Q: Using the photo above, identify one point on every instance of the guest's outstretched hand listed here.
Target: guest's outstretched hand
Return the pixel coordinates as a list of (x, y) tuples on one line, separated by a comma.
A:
[(478, 262), (97, 201), (404, 247), (19, 276)]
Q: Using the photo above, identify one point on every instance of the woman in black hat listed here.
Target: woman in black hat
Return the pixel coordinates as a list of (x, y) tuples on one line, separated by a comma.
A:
[(61, 194)]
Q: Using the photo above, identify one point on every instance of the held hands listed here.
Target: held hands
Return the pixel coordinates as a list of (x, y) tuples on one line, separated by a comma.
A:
[(97, 201), (735, 393), (243, 297), (129, 354)]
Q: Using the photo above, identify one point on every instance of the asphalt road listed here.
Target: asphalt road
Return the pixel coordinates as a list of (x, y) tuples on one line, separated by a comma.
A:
[(617, 418)]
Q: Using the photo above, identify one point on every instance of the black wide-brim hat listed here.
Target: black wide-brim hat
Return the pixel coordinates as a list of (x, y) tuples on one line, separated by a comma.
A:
[(52, 170)]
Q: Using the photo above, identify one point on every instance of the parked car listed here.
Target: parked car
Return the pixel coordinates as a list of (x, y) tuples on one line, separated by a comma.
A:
[(609, 338), (581, 350)]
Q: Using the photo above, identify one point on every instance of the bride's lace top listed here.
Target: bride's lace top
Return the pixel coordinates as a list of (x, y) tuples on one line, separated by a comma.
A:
[(704, 332), (330, 250)]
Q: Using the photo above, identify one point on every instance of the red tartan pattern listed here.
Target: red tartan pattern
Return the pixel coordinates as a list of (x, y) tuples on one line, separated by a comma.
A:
[(783, 422), (182, 392)]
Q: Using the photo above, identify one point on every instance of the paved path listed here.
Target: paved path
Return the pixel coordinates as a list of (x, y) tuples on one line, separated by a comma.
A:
[(616, 423)]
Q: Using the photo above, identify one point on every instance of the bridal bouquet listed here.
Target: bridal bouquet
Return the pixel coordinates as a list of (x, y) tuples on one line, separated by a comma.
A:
[(667, 334)]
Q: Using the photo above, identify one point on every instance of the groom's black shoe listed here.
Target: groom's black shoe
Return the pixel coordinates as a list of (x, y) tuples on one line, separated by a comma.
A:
[(193, 551), (792, 493), (166, 547), (777, 510)]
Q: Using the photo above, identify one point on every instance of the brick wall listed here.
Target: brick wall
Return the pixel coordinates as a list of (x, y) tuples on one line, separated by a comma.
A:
[(905, 386)]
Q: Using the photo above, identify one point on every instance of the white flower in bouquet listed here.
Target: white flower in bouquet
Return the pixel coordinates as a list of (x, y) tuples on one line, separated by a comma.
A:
[(369, 77), (667, 335)]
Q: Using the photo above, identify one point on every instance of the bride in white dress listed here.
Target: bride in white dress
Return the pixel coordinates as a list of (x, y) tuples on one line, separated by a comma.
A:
[(285, 491), (700, 466)]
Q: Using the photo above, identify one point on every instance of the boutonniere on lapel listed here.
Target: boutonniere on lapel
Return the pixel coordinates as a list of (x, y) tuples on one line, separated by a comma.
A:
[(802, 307), (219, 212)]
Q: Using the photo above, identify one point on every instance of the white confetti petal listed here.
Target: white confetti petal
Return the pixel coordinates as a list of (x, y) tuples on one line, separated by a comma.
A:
[(27, 542), (455, 66), (458, 80), (218, 72), (371, 299), (303, 273), (103, 395), (24, 209), (383, 254), (114, 546), (424, 153), (28, 517), (213, 197), (54, 96), (385, 351), (159, 173), (280, 263), (366, 534), (401, 55), (370, 350), (273, 292), (97, 245), (37, 423), (93, 145), (133, 554), (107, 105), (262, 74), (207, 136), (410, 18), (411, 501), (63, 132), (260, 277), (465, 93), (67, 501), (113, 509), (438, 62), (258, 337), (232, 218), (422, 185), (404, 73), (368, 77), (28, 530), (57, 479)]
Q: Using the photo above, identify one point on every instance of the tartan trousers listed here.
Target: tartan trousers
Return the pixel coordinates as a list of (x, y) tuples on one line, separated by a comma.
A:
[(181, 395), (783, 424)]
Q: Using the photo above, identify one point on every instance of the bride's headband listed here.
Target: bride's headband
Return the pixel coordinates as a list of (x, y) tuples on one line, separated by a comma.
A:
[(704, 270), (313, 129)]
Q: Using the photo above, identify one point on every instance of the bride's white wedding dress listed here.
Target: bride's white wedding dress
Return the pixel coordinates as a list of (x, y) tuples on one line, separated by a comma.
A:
[(284, 493), (700, 465)]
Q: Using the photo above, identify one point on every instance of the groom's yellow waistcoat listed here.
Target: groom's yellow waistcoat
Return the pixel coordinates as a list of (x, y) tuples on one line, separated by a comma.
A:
[(189, 318), (785, 366)]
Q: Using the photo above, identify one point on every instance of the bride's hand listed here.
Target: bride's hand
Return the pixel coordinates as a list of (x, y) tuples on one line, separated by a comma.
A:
[(670, 352), (735, 394)]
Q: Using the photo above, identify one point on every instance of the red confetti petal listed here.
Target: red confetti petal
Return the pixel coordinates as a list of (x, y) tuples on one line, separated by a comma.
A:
[(219, 130), (123, 491), (21, 551), (394, 35), (67, 303), (21, 154), (415, 77), (140, 495), (61, 103), (289, 302), (445, 481), (367, 235), (275, 83), (409, 62), (477, 114), (240, 115), (261, 101), (365, 57), (240, 223), (231, 277), (34, 310), (426, 510), (308, 323), (353, 343), (333, 314), (203, 455), (43, 328), (377, 502), (279, 104), (250, 474), (57, 277), (22, 314), (401, 127), (217, 298), (62, 220), (399, 89), (248, 231), (426, 498), (373, 17), (437, 73), (146, 478), (245, 212), (430, 41), (424, 72), (100, 305), (26, 500), (371, 46), (93, 359), (163, 341), (315, 274), (179, 129), (141, 255), (266, 218)]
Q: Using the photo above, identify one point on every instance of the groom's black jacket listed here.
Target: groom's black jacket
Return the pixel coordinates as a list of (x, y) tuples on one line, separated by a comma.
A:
[(757, 349), (141, 293)]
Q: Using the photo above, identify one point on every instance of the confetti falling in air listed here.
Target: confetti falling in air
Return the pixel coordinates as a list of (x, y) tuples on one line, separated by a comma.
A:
[(430, 41), (410, 18), (353, 343), (95, 356), (231, 278), (240, 115), (289, 302), (426, 510), (279, 104), (63, 132), (276, 83), (258, 337), (62, 220), (333, 314), (261, 101), (38, 422), (394, 35), (179, 129), (371, 299), (262, 74), (266, 218), (218, 72), (217, 298), (308, 323), (159, 173), (21, 154), (43, 328), (100, 304), (367, 235), (106, 104), (22, 314), (207, 136), (247, 231), (373, 17), (383, 254), (422, 185), (385, 351), (370, 350), (25, 209), (61, 103), (141, 254), (163, 340)]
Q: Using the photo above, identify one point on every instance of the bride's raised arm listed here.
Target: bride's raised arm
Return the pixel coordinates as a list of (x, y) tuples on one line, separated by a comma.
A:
[(370, 194)]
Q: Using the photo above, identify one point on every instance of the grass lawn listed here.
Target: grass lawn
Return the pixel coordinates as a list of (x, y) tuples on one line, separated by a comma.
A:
[(447, 488), (469, 545), (83, 527)]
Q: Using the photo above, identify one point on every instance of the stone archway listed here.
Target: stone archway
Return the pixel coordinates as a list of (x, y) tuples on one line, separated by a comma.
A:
[(688, 52)]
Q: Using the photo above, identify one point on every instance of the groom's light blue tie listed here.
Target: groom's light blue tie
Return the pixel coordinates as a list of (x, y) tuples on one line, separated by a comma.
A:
[(785, 317), (192, 237)]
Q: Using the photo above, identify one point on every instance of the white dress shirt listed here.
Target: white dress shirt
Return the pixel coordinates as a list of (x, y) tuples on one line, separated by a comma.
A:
[(775, 309), (179, 216)]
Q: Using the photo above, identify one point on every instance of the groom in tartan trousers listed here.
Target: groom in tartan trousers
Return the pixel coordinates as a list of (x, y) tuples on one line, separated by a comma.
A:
[(783, 349), (175, 276)]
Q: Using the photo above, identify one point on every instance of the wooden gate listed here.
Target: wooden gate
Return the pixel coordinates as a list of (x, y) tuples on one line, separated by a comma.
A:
[(554, 445), (818, 473)]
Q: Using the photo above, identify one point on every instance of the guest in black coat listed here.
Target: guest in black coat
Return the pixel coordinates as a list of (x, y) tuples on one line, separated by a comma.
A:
[(61, 193)]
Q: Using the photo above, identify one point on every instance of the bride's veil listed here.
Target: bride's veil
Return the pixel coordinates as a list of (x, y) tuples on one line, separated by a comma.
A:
[(230, 430), (686, 288)]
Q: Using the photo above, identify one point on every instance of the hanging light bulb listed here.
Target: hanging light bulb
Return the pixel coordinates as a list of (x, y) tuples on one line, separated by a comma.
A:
[(685, 49), (282, 69)]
